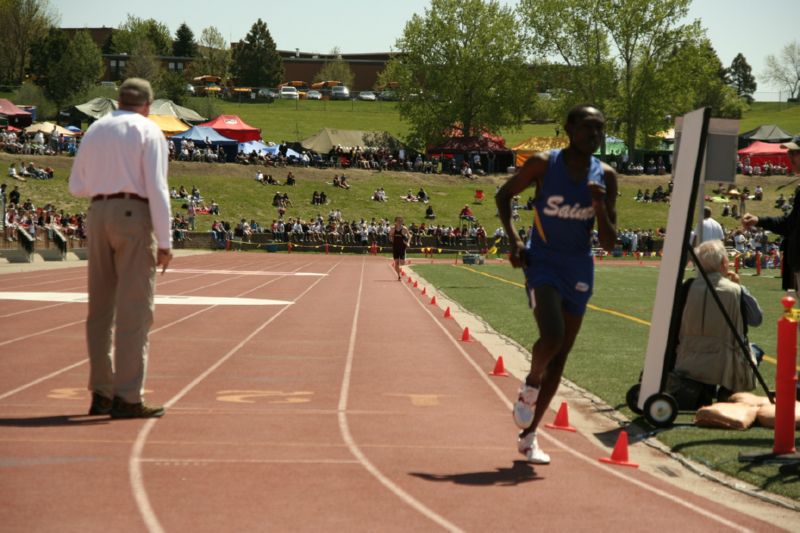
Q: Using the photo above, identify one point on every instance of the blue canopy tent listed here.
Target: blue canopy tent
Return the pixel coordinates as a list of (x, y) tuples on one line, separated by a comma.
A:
[(204, 136), (264, 149)]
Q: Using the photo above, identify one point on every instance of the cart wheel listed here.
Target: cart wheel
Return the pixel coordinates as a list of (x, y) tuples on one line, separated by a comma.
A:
[(660, 410), (632, 398)]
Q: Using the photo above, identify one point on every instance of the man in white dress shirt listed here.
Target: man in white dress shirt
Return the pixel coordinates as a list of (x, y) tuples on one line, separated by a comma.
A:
[(711, 229), (122, 167)]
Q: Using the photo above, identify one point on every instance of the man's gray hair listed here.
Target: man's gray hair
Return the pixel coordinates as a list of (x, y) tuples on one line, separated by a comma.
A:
[(135, 92), (711, 254)]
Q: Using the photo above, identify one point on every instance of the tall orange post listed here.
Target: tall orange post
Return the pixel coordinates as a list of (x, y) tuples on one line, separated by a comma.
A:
[(736, 264), (758, 263), (785, 380)]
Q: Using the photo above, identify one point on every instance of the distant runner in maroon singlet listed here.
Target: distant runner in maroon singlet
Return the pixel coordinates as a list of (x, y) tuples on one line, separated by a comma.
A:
[(400, 237)]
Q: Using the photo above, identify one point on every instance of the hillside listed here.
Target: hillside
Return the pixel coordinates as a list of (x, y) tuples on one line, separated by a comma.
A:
[(234, 188)]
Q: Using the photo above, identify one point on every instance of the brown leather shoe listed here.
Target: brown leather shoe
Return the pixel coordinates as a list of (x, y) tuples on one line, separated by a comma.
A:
[(100, 405), (123, 409)]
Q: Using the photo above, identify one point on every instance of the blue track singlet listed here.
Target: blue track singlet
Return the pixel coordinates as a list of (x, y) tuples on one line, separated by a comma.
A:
[(559, 247)]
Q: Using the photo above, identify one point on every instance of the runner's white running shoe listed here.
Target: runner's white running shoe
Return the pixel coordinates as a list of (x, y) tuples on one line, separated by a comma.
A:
[(523, 408), (529, 447)]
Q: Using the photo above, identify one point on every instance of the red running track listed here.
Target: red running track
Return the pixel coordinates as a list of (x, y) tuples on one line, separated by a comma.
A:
[(354, 408)]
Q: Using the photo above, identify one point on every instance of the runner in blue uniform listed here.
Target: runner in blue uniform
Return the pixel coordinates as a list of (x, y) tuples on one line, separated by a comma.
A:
[(573, 188)]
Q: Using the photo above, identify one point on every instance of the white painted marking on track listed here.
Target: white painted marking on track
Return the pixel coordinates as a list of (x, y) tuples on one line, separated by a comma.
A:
[(593, 462), (351, 443), (135, 460), (160, 299), (243, 272)]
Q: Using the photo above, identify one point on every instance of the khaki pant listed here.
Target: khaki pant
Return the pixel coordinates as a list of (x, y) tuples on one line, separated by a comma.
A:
[(122, 260)]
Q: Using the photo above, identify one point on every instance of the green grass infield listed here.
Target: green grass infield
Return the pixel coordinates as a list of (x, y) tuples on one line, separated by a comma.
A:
[(610, 350)]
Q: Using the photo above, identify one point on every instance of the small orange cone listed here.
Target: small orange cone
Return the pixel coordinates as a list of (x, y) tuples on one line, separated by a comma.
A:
[(433, 300), (465, 336), (402, 272), (424, 291), (447, 313), (416, 284), (562, 419), (410, 280), (499, 368), (620, 454)]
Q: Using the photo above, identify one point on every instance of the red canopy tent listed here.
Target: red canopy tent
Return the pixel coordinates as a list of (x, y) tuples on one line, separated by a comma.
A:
[(233, 127), (16, 117), (761, 152)]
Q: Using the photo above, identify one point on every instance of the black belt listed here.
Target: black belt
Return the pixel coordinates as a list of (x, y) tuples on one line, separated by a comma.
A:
[(125, 195)]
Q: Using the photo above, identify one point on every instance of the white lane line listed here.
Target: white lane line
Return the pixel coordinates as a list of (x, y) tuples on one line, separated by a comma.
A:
[(153, 331), (592, 461), (243, 272), (348, 437), (41, 379), (134, 462), (161, 284), (181, 462), (159, 299)]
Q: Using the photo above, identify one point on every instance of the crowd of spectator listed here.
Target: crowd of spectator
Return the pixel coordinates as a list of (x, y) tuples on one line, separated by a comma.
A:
[(37, 143), (38, 222)]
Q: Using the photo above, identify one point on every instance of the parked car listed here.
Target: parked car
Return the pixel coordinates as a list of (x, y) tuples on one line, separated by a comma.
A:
[(388, 96), (289, 93), (367, 96), (266, 92), (313, 95), (340, 92)]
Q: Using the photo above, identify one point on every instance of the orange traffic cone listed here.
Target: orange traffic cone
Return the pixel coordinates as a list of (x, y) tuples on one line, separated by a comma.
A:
[(447, 313), (433, 300), (562, 419), (416, 284), (410, 280), (424, 291), (499, 368), (402, 272), (620, 454), (465, 336)]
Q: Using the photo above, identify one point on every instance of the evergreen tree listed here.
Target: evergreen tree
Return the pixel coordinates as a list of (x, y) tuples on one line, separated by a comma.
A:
[(741, 78), (78, 69), (256, 61), (184, 45), (45, 52)]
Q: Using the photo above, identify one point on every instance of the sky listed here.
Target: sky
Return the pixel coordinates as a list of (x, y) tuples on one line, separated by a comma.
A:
[(359, 26)]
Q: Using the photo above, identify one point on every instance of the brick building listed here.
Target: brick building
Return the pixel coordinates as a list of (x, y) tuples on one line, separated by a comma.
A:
[(297, 65)]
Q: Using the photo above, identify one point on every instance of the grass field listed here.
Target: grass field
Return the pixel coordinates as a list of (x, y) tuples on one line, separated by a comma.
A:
[(609, 352)]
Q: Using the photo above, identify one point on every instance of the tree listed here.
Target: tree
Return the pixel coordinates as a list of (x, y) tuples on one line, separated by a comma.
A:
[(336, 69), (214, 56), (784, 71), (642, 34), (184, 44), (135, 30), (741, 78), (78, 69), (172, 86), (45, 52), (143, 63), (256, 61), (461, 63), (571, 32), (22, 22)]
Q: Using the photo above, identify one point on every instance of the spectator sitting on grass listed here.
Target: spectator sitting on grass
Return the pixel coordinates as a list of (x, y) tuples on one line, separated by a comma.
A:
[(343, 182), (290, 180), (429, 213), (213, 208), (422, 196), (409, 197), (466, 213)]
